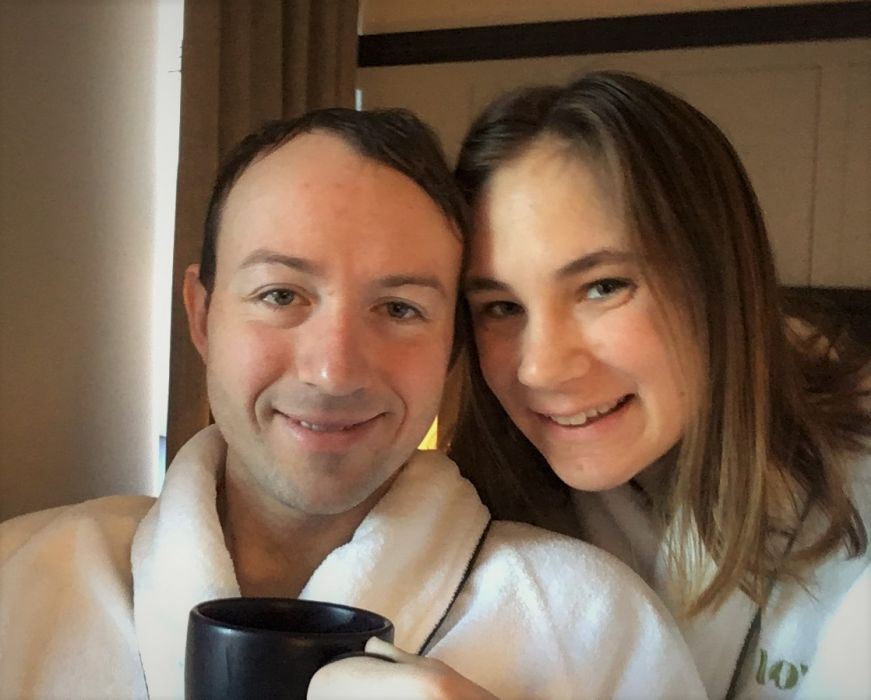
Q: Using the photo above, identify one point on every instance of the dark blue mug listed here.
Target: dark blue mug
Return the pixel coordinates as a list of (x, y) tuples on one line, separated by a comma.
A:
[(243, 648)]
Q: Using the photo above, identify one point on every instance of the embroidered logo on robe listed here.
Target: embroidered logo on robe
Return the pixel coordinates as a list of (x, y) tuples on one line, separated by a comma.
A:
[(782, 674)]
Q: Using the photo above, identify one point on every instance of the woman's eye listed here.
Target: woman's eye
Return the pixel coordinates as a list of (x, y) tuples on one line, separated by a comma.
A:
[(402, 311), (603, 289), (501, 309), (278, 297)]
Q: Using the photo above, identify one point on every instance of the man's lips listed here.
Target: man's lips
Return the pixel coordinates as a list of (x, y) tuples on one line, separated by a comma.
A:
[(331, 424), (333, 434)]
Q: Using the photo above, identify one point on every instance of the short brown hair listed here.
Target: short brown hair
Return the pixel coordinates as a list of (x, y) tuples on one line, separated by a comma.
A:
[(393, 137)]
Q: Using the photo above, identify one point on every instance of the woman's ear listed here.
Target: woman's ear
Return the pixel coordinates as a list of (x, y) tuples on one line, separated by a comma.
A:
[(196, 303)]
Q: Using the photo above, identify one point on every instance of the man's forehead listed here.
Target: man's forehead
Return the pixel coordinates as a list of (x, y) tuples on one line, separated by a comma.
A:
[(317, 185), (307, 159), (322, 165)]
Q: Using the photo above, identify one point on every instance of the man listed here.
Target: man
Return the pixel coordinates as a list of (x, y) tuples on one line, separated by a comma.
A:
[(323, 309)]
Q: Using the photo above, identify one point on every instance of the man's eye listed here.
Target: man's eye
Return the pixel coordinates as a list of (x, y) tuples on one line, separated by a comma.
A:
[(402, 311), (605, 288), (501, 309), (278, 297)]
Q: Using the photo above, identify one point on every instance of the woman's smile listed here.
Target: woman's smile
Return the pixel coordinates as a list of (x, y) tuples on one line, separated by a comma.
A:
[(570, 338)]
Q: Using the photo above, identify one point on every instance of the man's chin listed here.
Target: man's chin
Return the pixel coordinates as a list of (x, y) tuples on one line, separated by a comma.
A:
[(327, 505), (333, 495)]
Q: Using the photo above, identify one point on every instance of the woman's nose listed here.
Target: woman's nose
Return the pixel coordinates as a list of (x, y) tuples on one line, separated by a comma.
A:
[(553, 353)]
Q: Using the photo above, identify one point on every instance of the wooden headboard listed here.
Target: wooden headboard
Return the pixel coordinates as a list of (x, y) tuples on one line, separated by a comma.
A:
[(847, 305)]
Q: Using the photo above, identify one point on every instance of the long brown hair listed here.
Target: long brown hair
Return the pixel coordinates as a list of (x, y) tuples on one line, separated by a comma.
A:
[(776, 415)]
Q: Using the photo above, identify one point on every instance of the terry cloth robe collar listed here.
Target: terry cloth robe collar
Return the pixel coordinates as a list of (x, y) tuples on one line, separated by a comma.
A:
[(406, 560), (620, 522)]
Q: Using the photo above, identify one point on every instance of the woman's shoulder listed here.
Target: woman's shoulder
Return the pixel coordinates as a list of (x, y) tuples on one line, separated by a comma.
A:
[(840, 667), (832, 576), (557, 564), (859, 484)]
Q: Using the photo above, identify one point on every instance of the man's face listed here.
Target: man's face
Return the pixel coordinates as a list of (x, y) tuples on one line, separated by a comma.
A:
[(328, 333)]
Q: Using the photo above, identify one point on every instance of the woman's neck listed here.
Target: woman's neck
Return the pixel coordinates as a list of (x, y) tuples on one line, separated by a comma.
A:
[(653, 480)]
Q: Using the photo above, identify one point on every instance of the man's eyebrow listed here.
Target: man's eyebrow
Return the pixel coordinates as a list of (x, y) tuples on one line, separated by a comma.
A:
[(263, 256), (394, 281)]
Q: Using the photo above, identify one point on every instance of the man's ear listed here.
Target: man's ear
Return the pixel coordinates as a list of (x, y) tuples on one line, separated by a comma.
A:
[(196, 303)]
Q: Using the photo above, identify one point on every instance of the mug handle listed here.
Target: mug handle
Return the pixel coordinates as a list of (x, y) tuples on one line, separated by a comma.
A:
[(369, 654)]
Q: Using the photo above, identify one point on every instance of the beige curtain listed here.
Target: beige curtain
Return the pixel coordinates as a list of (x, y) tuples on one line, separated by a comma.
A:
[(243, 62)]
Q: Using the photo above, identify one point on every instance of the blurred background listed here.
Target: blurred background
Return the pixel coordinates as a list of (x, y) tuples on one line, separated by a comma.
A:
[(109, 138)]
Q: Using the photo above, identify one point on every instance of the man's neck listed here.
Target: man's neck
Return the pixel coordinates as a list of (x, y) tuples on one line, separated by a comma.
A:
[(276, 548)]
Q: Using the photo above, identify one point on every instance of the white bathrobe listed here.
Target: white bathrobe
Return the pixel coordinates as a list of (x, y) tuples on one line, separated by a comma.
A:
[(539, 616), (814, 642)]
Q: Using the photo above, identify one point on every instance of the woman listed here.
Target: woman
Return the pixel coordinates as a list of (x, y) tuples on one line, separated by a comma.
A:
[(634, 381)]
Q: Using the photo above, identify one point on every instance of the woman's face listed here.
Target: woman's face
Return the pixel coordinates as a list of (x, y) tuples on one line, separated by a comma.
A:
[(568, 332)]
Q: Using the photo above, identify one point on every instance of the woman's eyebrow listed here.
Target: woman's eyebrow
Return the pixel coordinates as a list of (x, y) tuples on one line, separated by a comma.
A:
[(585, 263), (483, 284), (588, 262)]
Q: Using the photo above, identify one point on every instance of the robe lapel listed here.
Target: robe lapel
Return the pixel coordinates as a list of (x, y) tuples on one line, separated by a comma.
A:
[(179, 559), (408, 558), (405, 561)]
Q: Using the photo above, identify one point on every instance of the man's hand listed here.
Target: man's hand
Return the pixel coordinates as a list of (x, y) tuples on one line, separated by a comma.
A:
[(410, 677)]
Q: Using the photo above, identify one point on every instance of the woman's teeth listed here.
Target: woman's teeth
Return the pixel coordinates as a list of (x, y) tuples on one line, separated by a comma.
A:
[(585, 416)]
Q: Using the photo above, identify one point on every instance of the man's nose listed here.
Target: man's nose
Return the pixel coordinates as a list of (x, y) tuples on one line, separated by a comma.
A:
[(554, 352), (335, 354)]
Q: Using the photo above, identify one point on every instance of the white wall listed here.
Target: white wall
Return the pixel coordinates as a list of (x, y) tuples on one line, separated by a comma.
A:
[(799, 115), (77, 157)]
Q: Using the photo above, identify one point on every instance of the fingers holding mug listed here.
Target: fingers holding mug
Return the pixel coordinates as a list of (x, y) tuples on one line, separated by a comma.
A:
[(371, 675)]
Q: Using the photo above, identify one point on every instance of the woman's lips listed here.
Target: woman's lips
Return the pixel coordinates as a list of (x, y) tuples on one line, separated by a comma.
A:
[(588, 416)]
